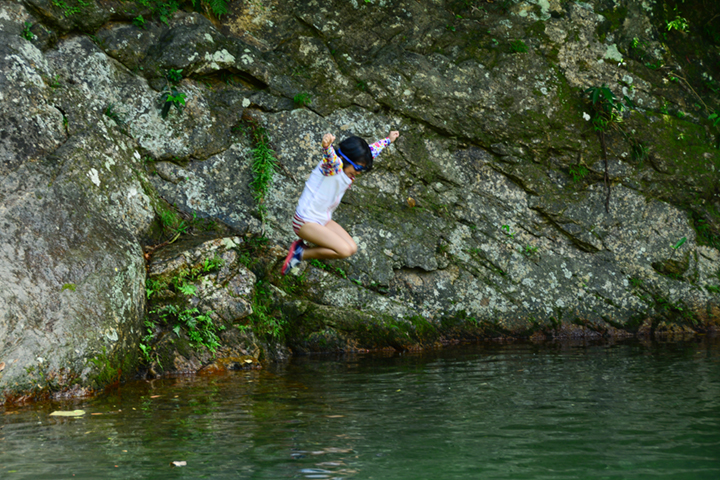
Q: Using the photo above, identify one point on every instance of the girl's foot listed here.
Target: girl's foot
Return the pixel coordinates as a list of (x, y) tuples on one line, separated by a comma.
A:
[(294, 256)]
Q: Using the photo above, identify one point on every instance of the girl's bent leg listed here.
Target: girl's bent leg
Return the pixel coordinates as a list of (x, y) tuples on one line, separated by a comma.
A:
[(340, 232), (331, 240)]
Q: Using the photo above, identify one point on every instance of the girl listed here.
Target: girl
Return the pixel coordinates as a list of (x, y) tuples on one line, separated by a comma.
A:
[(322, 194)]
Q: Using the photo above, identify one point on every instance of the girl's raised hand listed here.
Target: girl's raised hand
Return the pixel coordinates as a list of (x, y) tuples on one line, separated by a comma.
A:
[(394, 135), (327, 140)]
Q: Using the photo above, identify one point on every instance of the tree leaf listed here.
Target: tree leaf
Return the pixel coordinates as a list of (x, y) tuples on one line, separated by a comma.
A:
[(68, 413)]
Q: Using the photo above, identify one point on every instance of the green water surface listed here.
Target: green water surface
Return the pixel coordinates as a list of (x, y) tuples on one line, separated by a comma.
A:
[(635, 410)]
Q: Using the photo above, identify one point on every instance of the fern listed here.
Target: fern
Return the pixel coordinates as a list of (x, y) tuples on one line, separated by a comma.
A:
[(218, 7)]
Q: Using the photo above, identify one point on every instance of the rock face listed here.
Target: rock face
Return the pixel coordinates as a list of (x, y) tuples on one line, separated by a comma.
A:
[(511, 205)]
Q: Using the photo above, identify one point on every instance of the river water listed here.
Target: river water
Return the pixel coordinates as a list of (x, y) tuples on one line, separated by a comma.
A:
[(628, 410)]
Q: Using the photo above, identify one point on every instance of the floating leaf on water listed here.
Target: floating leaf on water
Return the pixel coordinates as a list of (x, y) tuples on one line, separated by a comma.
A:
[(179, 463), (68, 413), (154, 396), (334, 416)]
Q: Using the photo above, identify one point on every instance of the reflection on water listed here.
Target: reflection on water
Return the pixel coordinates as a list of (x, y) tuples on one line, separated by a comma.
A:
[(628, 410)]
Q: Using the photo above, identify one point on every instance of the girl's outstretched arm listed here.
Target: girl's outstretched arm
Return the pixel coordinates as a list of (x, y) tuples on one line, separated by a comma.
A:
[(331, 162), (378, 146)]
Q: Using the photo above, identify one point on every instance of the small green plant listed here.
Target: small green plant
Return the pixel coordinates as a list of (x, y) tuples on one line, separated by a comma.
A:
[(318, 264), (607, 108), (530, 251), (139, 21), (679, 243), (639, 152), (679, 23), (112, 114), (217, 7), (264, 164), (578, 172), (153, 286), (506, 229), (714, 118), (211, 264), (361, 85), (450, 27), (26, 33), (171, 98), (174, 76), (302, 99), (69, 11), (200, 327), (68, 286), (518, 46), (266, 321), (188, 289)]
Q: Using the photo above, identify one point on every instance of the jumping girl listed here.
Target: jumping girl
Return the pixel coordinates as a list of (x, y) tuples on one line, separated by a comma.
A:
[(322, 194)]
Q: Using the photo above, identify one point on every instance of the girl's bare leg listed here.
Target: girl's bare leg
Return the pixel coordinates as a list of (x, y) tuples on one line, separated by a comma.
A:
[(332, 241)]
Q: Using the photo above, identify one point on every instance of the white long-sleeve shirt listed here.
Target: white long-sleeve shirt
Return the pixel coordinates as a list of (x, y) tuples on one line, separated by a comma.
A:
[(327, 184)]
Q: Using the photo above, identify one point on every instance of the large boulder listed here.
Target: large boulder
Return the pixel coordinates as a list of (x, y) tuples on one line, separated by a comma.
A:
[(514, 202)]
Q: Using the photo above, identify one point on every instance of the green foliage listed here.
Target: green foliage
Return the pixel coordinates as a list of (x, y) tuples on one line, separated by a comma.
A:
[(679, 243), (578, 172), (639, 152), (714, 118), (68, 10), (200, 327), (251, 249), (530, 251), (112, 114), (506, 229), (26, 33), (173, 222), (211, 264), (679, 23), (187, 289), (153, 286), (217, 7), (263, 167), (139, 21), (266, 322), (302, 99), (171, 97), (607, 109), (518, 46), (705, 234), (174, 76), (328, 268), (68, 286), (107, 373)]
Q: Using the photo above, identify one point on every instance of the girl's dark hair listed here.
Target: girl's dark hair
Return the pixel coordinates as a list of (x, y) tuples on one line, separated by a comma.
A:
[(357, 150)]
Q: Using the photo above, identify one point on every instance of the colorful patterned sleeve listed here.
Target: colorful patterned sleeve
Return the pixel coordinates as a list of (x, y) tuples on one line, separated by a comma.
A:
[(331, 164), (378, 146)]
